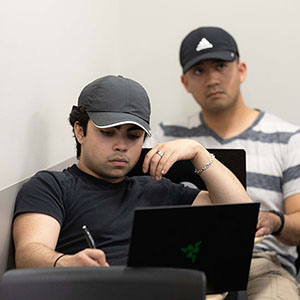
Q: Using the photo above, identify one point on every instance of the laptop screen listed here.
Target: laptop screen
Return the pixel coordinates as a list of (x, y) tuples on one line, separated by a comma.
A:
[(216, 239)]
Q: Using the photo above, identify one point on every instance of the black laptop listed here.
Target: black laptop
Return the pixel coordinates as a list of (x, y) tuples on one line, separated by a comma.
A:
[(217, 239)]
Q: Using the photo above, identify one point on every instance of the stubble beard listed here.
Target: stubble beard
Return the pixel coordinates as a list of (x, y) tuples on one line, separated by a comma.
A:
[(221, 105), (111, 174)]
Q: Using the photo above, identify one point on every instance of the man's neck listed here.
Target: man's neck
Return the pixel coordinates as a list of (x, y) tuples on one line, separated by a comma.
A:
[(85, 169), (232, 122)]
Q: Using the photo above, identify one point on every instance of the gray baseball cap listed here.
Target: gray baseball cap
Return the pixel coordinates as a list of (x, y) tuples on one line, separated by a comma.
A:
[(115, 100)]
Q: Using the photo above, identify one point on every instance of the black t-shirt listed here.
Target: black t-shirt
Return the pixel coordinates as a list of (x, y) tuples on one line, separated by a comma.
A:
[(75, 198)]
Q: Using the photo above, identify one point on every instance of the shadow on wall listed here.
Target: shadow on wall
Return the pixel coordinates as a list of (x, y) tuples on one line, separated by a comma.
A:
[(35, 151), (7, 203)]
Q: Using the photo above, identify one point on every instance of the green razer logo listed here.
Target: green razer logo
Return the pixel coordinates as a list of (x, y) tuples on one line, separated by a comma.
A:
[(192, 251)]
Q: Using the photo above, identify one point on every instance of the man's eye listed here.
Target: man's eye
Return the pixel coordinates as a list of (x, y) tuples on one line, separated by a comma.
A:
[(134, 136), (221, 66), (198, 71), (107, 133)]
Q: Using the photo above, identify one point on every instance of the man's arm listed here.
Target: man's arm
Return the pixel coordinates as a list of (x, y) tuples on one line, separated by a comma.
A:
[(269, 222), (35, 237), (221, 183), (290, 233)]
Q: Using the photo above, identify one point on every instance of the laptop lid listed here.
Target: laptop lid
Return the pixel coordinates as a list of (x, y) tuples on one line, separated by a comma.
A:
[(216, 239), (183, 171)]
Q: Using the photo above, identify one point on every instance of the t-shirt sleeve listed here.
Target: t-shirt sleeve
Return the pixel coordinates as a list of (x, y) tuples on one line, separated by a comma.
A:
[(181, 194), (43, 193)]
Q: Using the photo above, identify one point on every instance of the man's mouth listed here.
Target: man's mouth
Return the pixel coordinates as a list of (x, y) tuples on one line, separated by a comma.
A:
[(119, 161), (215, 93)]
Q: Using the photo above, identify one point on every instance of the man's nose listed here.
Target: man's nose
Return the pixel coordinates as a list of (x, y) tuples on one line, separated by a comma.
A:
[(213, 78), (121, 145)]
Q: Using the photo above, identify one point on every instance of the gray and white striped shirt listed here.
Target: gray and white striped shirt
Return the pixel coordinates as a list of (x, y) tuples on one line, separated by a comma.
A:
[(273, 163)]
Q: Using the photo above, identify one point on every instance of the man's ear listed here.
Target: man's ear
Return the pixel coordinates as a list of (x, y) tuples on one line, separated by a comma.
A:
[(78, 130), (184, 81), (243, 71)]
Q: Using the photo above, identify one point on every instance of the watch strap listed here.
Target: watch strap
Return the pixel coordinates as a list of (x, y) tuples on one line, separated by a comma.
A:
[(281, 216)]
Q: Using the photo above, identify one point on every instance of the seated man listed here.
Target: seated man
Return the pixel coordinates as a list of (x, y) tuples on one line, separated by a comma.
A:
[(212, 73), (110, 124)]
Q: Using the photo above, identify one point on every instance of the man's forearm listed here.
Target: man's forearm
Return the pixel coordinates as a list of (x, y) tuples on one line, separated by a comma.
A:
[(221, 183), (35, 255)]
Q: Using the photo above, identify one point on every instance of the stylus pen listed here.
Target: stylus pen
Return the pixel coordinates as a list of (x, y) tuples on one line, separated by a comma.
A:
[(88, 237)]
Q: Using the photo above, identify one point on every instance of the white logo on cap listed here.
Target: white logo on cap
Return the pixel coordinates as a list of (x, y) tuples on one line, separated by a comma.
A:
[(203, 44)]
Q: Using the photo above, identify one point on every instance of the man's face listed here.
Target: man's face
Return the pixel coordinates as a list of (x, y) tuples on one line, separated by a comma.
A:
[(215, 84), (109, 153)]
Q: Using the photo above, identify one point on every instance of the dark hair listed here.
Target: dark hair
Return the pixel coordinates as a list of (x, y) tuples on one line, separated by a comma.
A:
[(78, 114)]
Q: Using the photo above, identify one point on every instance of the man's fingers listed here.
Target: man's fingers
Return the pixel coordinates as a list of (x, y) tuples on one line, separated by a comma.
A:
[(154, 164), (160, 164), (148, 158), (260, 232), (94, 257), (166, 163)]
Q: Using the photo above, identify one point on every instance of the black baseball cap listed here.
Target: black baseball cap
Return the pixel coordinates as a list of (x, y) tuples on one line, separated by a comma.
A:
[(115, 100), (207, 43)]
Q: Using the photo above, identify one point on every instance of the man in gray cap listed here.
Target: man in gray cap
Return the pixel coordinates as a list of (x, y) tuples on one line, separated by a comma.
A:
[(213, 73), (109, 124)]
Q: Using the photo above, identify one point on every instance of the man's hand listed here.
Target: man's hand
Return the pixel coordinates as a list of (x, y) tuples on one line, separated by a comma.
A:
[(267, 223), (161, 157), (84, 258)]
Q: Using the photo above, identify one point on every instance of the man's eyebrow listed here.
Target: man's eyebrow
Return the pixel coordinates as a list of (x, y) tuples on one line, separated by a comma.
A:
[(131, 128), (134, 127)]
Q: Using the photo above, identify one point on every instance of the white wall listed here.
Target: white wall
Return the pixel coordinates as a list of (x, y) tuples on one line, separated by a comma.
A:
[(50, 49), (267, 33)]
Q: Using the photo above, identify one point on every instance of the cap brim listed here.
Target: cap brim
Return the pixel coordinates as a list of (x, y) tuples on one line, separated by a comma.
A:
[(220, 55), (111, 119)]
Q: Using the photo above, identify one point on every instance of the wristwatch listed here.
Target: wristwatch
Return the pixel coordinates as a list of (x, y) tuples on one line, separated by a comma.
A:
[(281, 216)]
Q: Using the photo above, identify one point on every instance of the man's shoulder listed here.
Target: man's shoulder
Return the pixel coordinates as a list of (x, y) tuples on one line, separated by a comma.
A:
[(49, 177), (274, 123), (184, 128), (169, 129), (190, 121)]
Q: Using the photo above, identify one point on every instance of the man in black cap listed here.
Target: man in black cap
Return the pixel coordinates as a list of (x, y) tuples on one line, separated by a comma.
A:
[(109, 124), (213, 73)]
